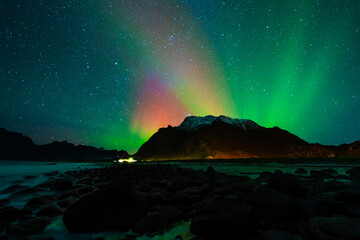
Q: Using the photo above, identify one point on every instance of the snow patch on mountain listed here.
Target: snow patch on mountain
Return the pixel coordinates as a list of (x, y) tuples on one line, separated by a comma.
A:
[(192, 123)]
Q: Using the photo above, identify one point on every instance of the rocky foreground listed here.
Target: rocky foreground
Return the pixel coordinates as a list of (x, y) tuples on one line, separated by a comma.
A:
[(148, 199)]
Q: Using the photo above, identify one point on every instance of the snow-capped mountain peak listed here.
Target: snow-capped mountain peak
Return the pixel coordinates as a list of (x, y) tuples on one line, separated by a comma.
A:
[(193, 123)]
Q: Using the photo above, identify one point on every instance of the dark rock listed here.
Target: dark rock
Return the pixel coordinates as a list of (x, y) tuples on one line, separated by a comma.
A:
[(10, 214), (4, 202), (275, 235), (270, 203), (301, 171), (62, 185), (157, 198), (351, 196), (116, 207), (210, 170), (83, 189), (42, 200), (325, 173), (177, 184), (68, 202), (222, 191), (308, 207), (13, 188), (316, 174), (226, 219), (3, 225), (264, 176), (70, 193), (192, 191), (334, 228), (171, 212), (154, 222), (330, 173), (29, 226), (245, 186), (4, 237), (333, 185), (159, 190), (50, 211), (26, 192), (354, 173), (210, 200), (287, 183), (180, 197)]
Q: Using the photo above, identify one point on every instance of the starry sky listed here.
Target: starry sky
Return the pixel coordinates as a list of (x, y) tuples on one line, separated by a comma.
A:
[(110, 73)]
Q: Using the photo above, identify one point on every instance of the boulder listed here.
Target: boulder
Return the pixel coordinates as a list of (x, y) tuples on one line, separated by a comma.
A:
[(270, 203), (354, 173), (3, 225), (301, 171), (42, 200), (333, 185), (222, 191), (65, 203), (116, 207), (50, 211), (83, 189), (180, 198), (245, 186), (334, 228), (171, 212), (351, 196), (4, 202), (10, 214), (286, 183), (264, 176), (275, 235), (62, 184), (154, 222), (177, 184), (70, 193), (3, 237), (29, 226), (324, 173), (225, 219)]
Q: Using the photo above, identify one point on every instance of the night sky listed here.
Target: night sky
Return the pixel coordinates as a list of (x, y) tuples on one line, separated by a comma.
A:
[(110, 73)]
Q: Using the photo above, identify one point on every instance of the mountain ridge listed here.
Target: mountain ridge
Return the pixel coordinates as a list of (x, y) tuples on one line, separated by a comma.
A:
[(212, 137), (16, 146)]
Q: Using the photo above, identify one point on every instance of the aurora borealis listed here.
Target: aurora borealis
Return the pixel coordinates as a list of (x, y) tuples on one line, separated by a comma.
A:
[(110, 73)]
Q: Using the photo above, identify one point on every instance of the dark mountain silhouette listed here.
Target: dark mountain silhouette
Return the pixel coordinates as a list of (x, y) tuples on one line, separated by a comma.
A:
[(223, 137), (16, 146)]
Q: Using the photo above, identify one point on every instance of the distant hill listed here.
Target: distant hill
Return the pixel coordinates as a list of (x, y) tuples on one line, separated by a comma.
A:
[(16, 146), (222, 137)]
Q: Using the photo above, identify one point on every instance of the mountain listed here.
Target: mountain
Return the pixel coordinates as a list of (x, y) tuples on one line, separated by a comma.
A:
[(223, 137), (16, 146)]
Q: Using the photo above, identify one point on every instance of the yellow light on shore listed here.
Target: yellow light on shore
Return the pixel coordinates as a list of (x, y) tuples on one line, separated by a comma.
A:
[(130, 160)]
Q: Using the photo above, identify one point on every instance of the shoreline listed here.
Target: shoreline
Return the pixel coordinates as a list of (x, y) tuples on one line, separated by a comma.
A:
[(173, 197)]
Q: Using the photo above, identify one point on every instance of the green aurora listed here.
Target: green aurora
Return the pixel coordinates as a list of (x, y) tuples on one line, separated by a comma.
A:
[(110, 73)]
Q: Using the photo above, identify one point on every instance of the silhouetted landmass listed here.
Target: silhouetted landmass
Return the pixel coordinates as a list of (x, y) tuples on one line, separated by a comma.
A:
[(16, 146), (225, 138)]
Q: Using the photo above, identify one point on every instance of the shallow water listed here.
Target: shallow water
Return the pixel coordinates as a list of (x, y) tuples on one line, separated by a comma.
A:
[(16, 172)]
